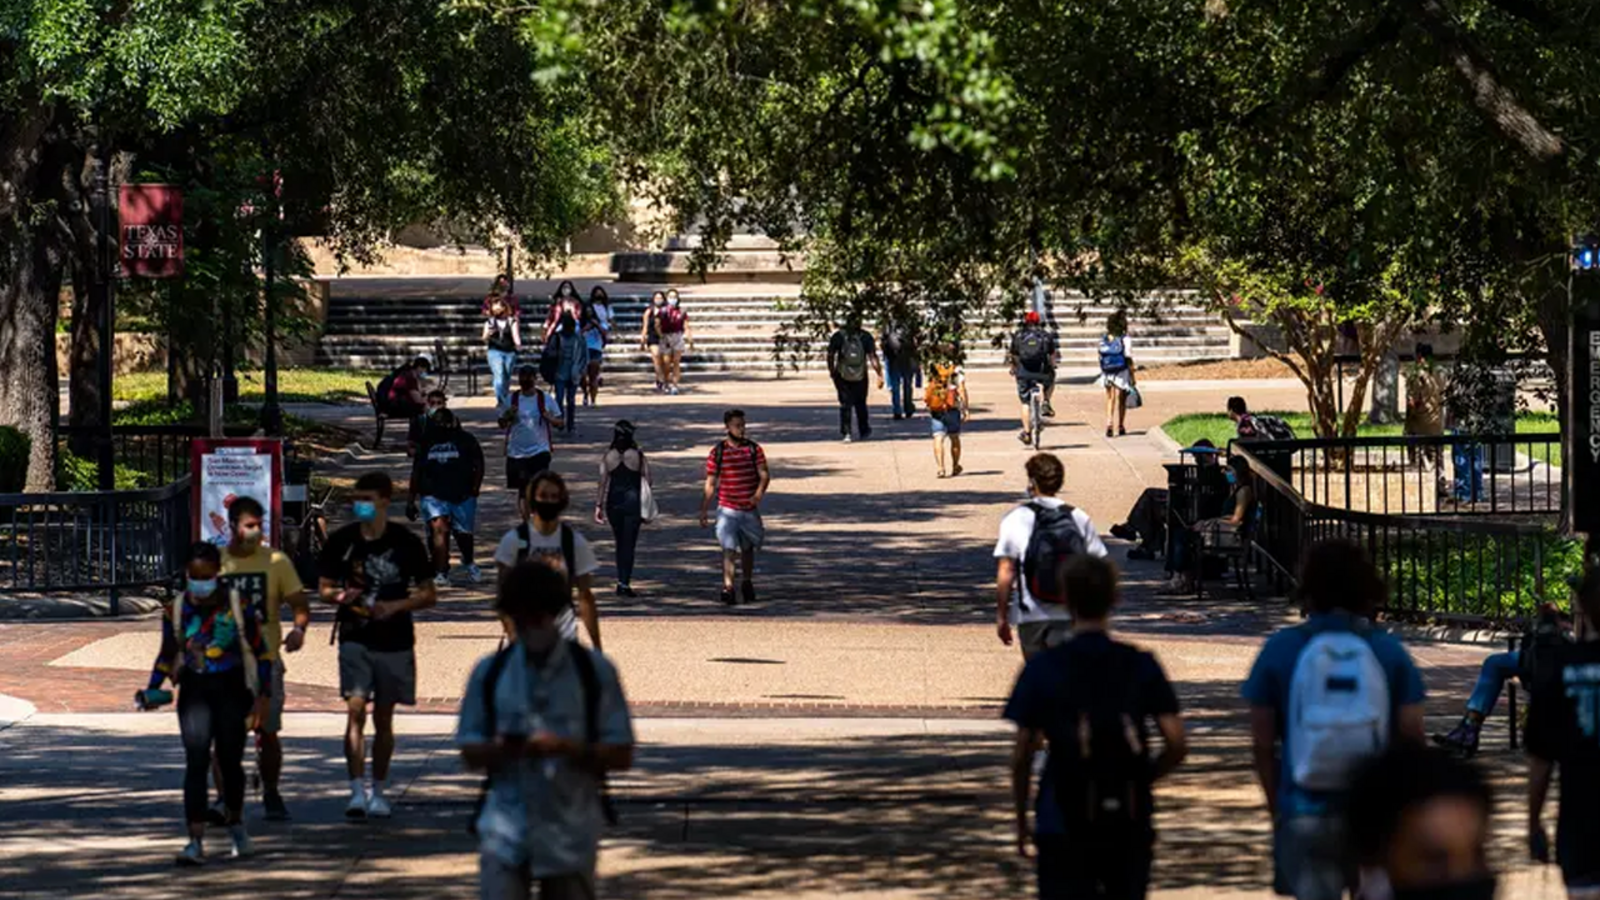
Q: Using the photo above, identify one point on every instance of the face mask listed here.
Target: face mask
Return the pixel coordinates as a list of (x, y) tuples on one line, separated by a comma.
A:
[(1480, 888), (365, 510), (249, 536), (1233, 477), (540, 640), (661, 301), (546, 510), (201, 588), (672, 301)]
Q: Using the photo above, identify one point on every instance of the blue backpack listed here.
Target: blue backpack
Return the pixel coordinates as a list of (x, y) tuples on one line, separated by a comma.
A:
[(1113, 357)]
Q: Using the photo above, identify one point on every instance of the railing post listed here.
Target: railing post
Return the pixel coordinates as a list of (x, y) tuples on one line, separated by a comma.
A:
[(113, 518)]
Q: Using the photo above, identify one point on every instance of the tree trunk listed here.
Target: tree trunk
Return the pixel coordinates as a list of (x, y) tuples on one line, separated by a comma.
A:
[(28, 296), (83, 372), (1386, 391)]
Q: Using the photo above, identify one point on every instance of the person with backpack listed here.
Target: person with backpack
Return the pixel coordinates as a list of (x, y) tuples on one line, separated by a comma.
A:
[(545, 720), (564, 303), (1036, 539), (672, 325), (1090, 701), (214, 652), (900, 361), (402, 394), (446, 477), (1549, 630), (544, 538), (528, 423), (650, 338), (851, 352), (1032, 359), (571, 365), (1249, 426), (737, 478), (596, 328), (946, 400), (1327, 696), (1116, 372), (1564, 733), (502, 334)]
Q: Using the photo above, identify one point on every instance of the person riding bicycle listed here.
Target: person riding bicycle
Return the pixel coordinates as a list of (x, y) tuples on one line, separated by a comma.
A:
[(1032, 358)]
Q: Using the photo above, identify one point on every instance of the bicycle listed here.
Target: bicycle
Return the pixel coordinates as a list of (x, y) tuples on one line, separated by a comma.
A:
[(310, 536), (1036, 414)]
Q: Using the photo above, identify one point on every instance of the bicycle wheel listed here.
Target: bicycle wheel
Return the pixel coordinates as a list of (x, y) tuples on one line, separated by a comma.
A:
[(1036, 417)]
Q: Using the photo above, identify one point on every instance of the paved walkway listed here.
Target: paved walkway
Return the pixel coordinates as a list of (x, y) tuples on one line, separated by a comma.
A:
[(836, 738)]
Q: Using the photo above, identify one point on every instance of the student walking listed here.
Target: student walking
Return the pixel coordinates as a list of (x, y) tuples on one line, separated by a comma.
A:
[(544, 537), (1116, 372), (502, 335), (737, 478), (596, 328), (378, 573), (1036, 539), (447, 476), (213, 651), (1327, 696), (1564, 734), (528, 421), (565, 303), (572, 364), (900, 362), (266, 581), (946, 400), (672, 323), (850, 352), (545, 719), (1091, 701), (650, 337), (624, 488)]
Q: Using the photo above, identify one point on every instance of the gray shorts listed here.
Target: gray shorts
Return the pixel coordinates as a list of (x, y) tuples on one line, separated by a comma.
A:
[(739, 528), (499, 880), (1311, 858), (1037, 637), (385, 678), (273, 723)]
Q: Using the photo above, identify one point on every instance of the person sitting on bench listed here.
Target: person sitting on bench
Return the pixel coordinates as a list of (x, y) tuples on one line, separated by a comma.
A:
[(1215, 532), (1146, 524), (401, 394), (1550, 626)]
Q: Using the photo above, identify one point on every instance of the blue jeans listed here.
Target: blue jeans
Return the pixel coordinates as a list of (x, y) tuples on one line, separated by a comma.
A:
[(1467, 460), (1497, 670), (567, 397), (501, 365), (900, 381)]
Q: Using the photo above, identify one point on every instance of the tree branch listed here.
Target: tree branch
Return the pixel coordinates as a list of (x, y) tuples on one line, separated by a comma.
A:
[(1495, 102), (1284, 358), (1326, 77)]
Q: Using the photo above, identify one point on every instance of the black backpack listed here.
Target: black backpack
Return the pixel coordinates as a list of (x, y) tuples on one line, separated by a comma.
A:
[(1275, 428), (1033, 349), (589, 678), (550, 359), (1055, 538), (1538, 649), (1101, 765)]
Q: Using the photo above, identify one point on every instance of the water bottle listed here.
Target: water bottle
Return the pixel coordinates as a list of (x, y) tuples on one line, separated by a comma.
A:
[(151, 698)]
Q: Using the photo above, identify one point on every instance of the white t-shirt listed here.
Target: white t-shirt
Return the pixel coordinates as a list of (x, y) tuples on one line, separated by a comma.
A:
[(529, 435), (548, 548), (1015, 530)]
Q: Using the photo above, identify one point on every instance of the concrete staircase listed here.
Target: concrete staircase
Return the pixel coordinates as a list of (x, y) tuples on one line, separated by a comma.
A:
[(734, 329)]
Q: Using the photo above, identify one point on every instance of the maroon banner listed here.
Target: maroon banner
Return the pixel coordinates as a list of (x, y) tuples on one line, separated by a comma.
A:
[(152, 230)]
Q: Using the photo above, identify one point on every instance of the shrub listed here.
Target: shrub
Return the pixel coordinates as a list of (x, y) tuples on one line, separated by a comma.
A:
[(14, 451)]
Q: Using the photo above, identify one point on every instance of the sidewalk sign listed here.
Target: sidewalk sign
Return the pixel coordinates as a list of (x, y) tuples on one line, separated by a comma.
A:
[(226, 468)]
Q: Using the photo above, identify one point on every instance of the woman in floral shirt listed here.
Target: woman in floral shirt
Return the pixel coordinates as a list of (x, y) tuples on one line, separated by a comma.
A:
[(213, 650)]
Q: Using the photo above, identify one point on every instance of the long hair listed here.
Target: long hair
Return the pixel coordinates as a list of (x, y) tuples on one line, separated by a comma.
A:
[(563, 287), (598, 295)]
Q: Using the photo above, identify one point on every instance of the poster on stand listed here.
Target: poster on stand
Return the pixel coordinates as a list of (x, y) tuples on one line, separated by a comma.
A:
[(225, 469)]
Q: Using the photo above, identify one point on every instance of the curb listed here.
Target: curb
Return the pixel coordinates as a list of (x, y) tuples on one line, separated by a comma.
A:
[(14, 710)]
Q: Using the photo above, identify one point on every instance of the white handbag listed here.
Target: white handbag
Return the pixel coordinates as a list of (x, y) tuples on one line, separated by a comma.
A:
[(648, 510)]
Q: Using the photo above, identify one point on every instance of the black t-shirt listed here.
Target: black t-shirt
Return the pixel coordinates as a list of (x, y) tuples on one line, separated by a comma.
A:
[(1564, 728), (389, 567), (448, 464), (1040, 699)]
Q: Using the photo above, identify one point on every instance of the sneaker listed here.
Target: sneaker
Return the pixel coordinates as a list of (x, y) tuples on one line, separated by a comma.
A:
[(866, 435), (241, 841), (956, 471), (898, 417), (1123, 532), (1049, 411), (748, 589), (847, 439), (1462, 739), (357, 807), (474, 574), (626, 590), (378, 808), (275, 809), (728, 598), (673, 390), (191, 855), (1109, 431), (1025, 438), (441, 580)]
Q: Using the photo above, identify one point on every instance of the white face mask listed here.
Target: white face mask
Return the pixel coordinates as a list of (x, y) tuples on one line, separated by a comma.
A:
[(672, 301)]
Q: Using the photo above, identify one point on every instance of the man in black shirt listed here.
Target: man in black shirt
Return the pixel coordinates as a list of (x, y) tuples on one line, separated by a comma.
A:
[(1564, 733), (1088, 690), (851, 352), (377, 573), (447, 474)]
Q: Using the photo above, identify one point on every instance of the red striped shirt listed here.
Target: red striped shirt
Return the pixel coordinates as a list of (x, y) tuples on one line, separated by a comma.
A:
[(740, 474)]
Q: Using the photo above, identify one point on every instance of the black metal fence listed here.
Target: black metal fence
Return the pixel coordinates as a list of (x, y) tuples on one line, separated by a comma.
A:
[(1454, 475), (110, 541), (149, 455), (1438, 567)]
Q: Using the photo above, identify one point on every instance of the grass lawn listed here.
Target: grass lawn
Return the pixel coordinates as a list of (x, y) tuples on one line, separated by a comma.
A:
[(294, 385), (1191, 427)]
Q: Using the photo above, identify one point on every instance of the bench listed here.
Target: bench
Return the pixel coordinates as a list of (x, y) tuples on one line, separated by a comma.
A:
[(379, 416)]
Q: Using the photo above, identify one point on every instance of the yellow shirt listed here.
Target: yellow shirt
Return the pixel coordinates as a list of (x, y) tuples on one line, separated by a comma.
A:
[(267, 578)]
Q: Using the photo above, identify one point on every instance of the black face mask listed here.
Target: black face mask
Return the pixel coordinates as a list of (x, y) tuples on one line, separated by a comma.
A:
[(547, 511), (1479, 888)]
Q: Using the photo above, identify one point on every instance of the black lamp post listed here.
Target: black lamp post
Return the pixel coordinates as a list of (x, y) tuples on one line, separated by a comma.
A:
[(105, 264)]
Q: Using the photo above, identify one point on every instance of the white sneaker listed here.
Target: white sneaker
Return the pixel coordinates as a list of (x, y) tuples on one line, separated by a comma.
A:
[(357, 807), (190, 855), (441, 580), (474, 574), (241, 841), (378, 808)]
